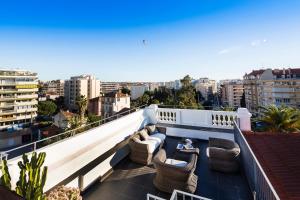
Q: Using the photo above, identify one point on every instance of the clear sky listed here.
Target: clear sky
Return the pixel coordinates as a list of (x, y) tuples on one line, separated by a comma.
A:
[(204, 38)]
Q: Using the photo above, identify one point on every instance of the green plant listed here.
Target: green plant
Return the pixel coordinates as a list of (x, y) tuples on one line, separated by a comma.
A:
[(280, 119), (31, 180), (82, 103), (46, 108), (5, 178)]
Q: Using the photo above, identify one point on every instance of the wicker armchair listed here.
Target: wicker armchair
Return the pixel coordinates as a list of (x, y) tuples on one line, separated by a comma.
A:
[(223, 155), (169, 177)]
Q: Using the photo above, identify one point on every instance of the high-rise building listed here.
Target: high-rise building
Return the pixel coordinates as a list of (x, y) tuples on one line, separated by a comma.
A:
[(85, 85), (267, 86), (206, 87), (18, 98), (231, 92)]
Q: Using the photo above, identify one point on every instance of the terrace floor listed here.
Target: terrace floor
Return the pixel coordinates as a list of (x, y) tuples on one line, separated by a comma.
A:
[(133, 181)]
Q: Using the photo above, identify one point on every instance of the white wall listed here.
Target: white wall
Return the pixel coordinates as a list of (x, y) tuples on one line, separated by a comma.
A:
[(198, 134), (68, 156)]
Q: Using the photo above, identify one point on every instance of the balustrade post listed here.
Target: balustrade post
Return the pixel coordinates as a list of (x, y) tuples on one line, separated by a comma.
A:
[(244, 117)]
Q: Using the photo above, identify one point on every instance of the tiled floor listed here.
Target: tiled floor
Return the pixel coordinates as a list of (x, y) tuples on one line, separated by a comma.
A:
[(133, 181)]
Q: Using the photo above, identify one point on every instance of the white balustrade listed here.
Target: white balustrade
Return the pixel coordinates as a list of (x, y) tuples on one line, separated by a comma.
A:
[(223, 119), (167, 116), (201, 118)]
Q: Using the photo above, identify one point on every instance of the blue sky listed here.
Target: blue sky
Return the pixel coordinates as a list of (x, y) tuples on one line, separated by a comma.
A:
[(204, 38)]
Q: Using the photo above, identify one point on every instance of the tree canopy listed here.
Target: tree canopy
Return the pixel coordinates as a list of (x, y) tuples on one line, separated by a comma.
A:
[(81, 103), (46, 108), (281, 119), (187, 93)]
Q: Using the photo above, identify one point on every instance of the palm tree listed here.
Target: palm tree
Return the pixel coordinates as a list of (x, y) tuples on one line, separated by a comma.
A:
[(81, 102), (280, 119)]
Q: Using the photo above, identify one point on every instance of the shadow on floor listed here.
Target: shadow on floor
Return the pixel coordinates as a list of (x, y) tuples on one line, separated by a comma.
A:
[(133, 181)]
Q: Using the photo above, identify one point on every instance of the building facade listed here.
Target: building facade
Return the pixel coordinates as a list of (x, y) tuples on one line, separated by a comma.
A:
[(206, 87), (231, 92), (55, 87), (114, 102), (95, 106), (266, 86), (107, 87), (138, 91), (18, 98), (76, 86)]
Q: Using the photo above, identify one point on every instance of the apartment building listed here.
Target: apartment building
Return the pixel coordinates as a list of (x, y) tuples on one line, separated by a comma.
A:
[(138, 91), (76, 86), (107, 87), (114, 102), (272, 86), (231, 92), (54, 87), (18, 98), (206, 87)]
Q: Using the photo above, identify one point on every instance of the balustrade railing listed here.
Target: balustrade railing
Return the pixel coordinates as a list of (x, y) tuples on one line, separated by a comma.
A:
[(223, 118), (203, 118), (167, 116)]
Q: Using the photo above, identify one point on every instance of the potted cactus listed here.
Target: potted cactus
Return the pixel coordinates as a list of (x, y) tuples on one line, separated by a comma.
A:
[(31, 180)]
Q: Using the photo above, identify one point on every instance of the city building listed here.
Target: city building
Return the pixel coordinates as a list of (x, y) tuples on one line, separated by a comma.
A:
[(266, 86), (231, 92), (137, 91), (76, 86), (206, 87), (54, 87), (18, 98), (107, 87), (95, 106), (114, 102), (62, 119)]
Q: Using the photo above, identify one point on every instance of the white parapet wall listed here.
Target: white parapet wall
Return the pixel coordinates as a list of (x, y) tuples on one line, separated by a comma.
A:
[(198, 134), (66, 157)]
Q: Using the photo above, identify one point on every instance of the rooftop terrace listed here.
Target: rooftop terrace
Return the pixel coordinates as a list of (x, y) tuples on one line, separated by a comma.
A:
[(134, 181), (96, 159)]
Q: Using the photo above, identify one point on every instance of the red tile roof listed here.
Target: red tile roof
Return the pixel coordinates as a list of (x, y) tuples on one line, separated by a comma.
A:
[(279, 156), (256, 72), (275, 71)]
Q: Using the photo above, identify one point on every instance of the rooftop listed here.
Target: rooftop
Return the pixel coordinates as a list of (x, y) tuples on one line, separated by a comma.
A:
[(95, 156), (279, 156), (134, 181)]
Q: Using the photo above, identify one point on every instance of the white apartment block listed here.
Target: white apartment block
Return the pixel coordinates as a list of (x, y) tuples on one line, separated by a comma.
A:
[(114, 102), (76, 86), (206, 87), (18, 98), (138, 91), (266, 86), (231, 92)]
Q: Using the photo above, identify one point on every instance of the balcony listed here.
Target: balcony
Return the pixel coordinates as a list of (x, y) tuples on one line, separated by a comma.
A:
[(96, 159)]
